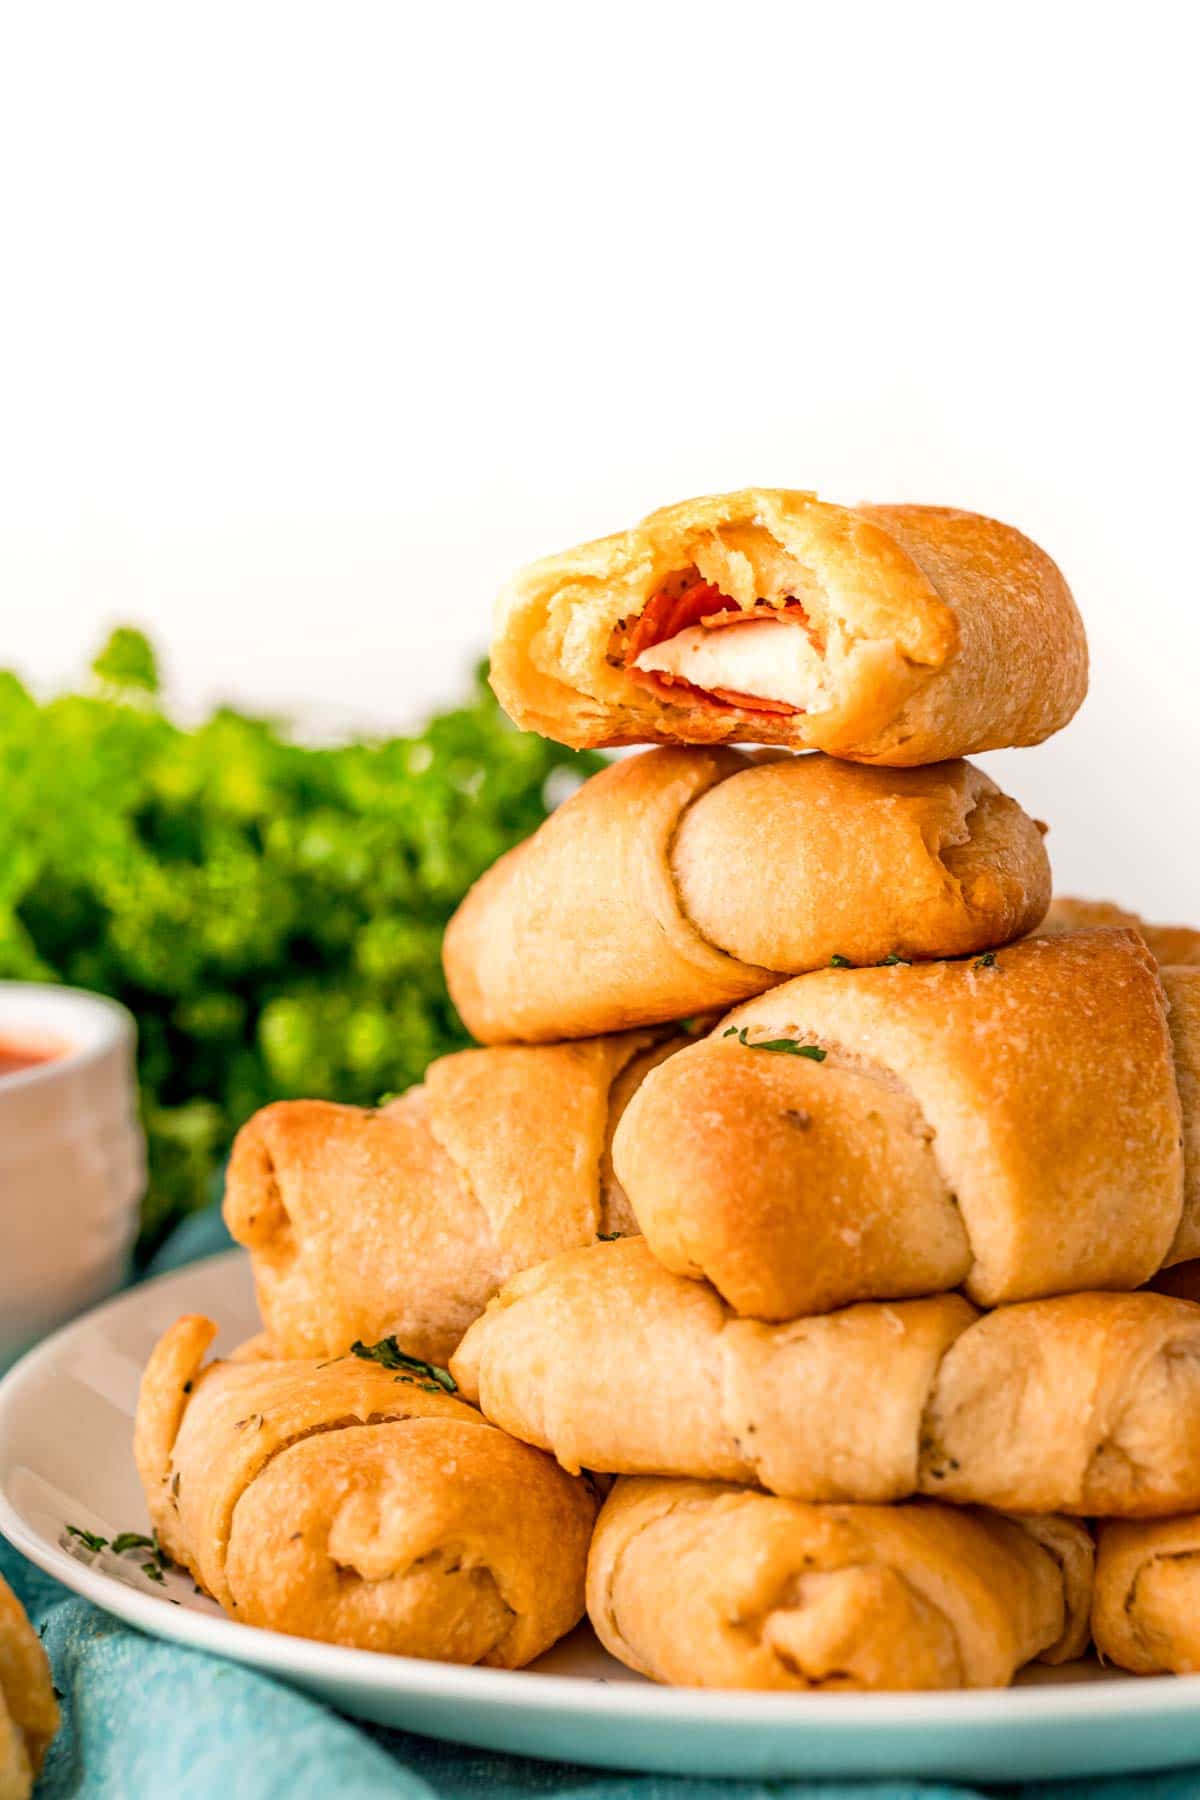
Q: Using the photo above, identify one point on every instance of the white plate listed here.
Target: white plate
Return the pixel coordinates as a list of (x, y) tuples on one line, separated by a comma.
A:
[(65, 1423)]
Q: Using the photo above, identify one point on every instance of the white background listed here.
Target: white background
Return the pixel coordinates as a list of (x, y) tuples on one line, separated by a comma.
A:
[(318, 319)]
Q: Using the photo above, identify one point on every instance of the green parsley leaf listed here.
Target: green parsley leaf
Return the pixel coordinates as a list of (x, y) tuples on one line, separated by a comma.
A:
[(986, 961), (131, 1540), (609, 1237), (782, 1046), (88, 1539), (127, 661), (892, 958), (271, 911), (388, 1354), (840, 962)]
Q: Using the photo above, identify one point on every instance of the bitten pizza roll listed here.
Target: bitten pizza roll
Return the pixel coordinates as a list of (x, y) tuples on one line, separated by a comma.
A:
[(704, 1585), (403, 1222), (28, 1709), (352, 1503), (886, 634), (1086, 1404), (682, 881), (1008, 1124), (1172, 946), (1146, 1610)]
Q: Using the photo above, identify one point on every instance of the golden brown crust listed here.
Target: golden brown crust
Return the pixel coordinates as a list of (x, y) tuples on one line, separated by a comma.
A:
[(1088, 1404), (1011, 1125), (1146, 1607), (1172, 946), (528, 1126), (940, 632), (1182, 988), (543, 1364), (358, 1227), (1082, 1404), (1073, 1548), (344, 1502), (706, 1585), (404, 1222), (29, 1714), (629, 905), (607, 1360)]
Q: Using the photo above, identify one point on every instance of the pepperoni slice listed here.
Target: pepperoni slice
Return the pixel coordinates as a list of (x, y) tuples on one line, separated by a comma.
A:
[(692, 601)]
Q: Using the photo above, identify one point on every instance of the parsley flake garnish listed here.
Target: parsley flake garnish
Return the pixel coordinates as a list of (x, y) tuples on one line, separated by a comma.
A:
[(840, 962), (783, 1046), (608, 1237), (388, 1354), (892, 958), (154, 1567), (131, 1540), (88, 1539), (986, 961)]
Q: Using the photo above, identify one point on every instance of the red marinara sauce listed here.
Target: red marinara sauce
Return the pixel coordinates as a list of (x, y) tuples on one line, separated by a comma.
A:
[(16, 1058)]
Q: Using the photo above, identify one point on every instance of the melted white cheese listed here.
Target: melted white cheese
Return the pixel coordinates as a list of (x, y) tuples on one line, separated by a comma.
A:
[(762, 659)]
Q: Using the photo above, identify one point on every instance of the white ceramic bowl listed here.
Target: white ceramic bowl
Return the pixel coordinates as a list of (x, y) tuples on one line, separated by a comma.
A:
[(72, 1159)]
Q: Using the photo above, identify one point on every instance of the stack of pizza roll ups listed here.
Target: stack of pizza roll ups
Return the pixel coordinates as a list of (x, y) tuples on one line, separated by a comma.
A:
[(815, 1176)]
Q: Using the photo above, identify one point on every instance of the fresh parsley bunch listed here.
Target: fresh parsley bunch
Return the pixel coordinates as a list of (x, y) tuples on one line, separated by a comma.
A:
[(271, 913)]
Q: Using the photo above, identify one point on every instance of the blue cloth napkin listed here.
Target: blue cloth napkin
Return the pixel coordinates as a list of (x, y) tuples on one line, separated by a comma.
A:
[(143, 1719)]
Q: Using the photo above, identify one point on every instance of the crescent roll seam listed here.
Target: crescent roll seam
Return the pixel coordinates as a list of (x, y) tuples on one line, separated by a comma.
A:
[(1082, 1404), (402, 1222), (329, 1500), (620, 912), (695, 929), (255, 1470), (1023, 1123), (701, 1583), (1145, 1611)]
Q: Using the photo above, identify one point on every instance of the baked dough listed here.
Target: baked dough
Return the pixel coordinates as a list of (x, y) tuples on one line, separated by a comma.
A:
[(1009, 1124), (1086, 1403), (1170, 945), (1146, 1612), (1182, 988), (403, 1222), (704, 1585), (885, 634), (344, 1502), (29, 1714), (683, 881)]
